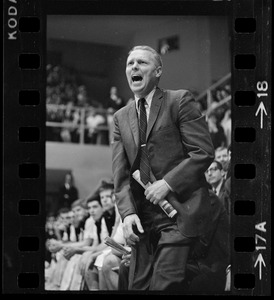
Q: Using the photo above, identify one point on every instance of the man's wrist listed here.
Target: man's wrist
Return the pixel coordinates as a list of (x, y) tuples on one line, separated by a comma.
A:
[(169, 187)]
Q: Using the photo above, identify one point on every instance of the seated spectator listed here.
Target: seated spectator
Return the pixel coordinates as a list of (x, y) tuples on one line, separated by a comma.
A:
[(82, 96), (216, 131), (114, 103), (68, 121), (69, 251), (93, 122), (110, 220), (63, 229), (99, 233), (50, 234), (68, 192), (222, 156), (215, 178), (226, 124), (111, 214), (50, 226), (62, 224)]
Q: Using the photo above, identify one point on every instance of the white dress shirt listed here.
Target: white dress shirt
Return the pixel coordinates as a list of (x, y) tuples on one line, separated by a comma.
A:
[(147, 103)]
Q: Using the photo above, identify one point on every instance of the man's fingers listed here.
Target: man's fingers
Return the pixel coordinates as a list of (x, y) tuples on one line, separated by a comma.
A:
[(130, 242), (139, 227)]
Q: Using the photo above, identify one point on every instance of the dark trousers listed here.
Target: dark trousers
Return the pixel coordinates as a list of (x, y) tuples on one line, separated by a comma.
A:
[(158, 261), (123, 278), (205, 279)]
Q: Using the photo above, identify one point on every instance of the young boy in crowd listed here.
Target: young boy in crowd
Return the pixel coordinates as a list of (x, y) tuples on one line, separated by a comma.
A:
[(110, 220), (69, 251)]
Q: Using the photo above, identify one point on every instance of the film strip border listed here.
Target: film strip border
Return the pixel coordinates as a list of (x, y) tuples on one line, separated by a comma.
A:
[(24, 146), (251, 49)]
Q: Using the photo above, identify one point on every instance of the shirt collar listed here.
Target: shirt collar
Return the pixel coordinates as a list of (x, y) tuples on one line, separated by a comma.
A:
[(148, 98), (218, 187)]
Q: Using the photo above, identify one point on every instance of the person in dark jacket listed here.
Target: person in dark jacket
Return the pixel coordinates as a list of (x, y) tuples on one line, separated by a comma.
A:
[(177, 148)]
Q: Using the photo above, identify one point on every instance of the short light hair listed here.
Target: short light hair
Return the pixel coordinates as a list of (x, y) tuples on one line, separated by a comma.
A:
[(79, 202), (156, 55), (221, 148)]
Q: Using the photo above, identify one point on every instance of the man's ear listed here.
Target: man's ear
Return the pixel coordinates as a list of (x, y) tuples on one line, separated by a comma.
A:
[(158, 71), (222, 173)]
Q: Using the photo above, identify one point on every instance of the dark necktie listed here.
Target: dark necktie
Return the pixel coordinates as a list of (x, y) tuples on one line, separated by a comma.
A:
[(144, 162)]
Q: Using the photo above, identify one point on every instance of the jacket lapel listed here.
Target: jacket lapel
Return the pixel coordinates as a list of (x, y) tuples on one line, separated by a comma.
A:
[(133, 121), (154, 109)]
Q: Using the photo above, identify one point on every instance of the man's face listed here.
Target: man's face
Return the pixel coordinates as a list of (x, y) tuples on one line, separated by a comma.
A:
[(222, 156), (142, 72), (106, 197), (64, 218), (70, 217), (214, 174), (68, 178), (79, 213), (95, 210)]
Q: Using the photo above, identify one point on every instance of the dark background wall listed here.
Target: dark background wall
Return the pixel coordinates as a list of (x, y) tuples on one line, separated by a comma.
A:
[(202, 58)]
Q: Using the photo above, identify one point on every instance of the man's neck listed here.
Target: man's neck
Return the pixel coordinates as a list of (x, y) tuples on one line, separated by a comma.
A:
[(145, 96), (217, 184)]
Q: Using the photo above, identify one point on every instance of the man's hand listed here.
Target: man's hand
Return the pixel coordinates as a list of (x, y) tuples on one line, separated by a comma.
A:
[(129, 221), (86, 259), (157, 191), (69, 252), (126, 259)]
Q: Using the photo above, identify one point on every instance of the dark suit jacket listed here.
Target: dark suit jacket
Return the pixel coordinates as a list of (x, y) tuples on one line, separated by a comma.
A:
[(180, 151), (224, 195), (210, 255)]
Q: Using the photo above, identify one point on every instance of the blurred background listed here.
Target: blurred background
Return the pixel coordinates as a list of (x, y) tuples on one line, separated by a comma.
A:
[(86, 84)]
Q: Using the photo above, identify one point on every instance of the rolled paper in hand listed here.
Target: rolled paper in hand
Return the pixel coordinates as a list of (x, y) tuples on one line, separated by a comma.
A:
[(110, 242), (169, 210)]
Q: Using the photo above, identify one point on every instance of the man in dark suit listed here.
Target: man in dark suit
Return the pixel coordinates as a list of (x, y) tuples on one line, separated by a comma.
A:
[(215, 177), (178, 150)]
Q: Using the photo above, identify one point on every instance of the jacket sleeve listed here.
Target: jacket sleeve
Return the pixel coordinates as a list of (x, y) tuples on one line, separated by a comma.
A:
[(195, 137), (121, 173)]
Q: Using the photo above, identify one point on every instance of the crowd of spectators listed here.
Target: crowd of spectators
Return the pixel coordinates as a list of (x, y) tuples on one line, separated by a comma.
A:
[(72, 116), (75, 248), (90, 122), (77, 257), (219, 116)]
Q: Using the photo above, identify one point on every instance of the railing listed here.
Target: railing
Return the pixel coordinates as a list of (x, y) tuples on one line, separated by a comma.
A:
[(206, 96), (79, 124)]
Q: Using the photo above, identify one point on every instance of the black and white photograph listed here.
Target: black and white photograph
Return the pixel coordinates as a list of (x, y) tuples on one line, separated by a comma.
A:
[(98, 67), (136, 147)]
